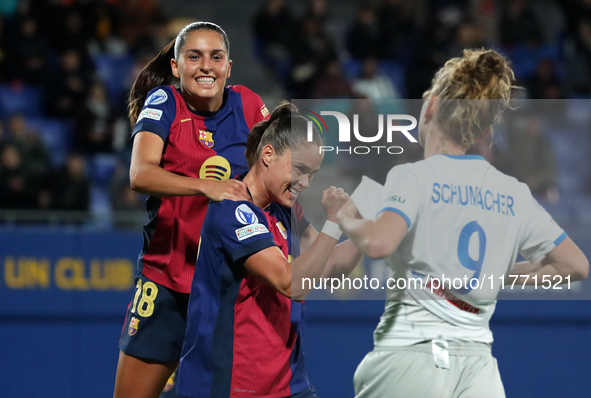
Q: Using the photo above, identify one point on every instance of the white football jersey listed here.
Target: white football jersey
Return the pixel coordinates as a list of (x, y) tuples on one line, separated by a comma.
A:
[(467, 223)]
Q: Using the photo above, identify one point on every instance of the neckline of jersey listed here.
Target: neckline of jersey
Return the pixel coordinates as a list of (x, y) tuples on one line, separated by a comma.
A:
[(208, 115), (463, 157)]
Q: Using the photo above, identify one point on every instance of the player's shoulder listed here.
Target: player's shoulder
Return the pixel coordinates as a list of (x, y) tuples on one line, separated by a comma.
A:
[(225, 205), (158, 109), (160, 95), (508, 181), (249, 97), (245, 91), (252, 105), (520, 191), (414, 169), (241, 211)]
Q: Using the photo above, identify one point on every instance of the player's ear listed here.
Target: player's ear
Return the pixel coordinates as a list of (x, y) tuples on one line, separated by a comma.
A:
[(431, 108), (229, 69), (267, 154), (175, 68)]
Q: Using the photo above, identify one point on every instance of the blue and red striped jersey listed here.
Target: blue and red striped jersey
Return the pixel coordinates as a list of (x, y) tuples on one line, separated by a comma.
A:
[(196, 144), (243, 338)]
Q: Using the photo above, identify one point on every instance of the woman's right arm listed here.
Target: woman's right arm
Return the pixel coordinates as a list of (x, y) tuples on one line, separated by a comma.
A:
[(271, 265), (287, 277), (146, 176)]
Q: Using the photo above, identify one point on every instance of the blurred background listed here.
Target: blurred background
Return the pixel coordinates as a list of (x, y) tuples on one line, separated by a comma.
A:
[(70, 226)]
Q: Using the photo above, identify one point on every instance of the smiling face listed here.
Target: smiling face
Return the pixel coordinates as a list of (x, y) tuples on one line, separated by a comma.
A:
[(305, 162), (290, 173), (203, 67)]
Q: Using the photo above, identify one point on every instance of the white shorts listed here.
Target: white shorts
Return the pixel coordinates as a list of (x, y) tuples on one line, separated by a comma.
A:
[(410, 372)]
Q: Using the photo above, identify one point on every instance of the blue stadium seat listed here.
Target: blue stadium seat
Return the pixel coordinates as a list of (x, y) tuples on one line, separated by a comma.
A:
[(101, 168), (582, 210), (100, 207), (281, 63), (115, 73), (571, 150), (25, 100), (55, 134), (563, 212), (352, 68), (525, 59), (396, 72)]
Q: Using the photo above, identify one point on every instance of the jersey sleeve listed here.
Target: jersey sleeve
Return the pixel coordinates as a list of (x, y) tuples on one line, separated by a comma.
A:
[(401, 194), (541, 234), (254, 108), (158, 113), (243, 229)]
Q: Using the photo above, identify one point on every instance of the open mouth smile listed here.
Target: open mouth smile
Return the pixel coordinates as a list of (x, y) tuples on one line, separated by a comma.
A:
[(205, 81)]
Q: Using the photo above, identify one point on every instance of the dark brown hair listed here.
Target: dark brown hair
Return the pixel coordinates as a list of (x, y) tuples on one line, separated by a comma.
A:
[(285, 129)]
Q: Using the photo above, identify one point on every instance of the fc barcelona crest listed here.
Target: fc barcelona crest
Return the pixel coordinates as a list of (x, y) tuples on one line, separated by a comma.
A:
[(206, 138), (133, 326)]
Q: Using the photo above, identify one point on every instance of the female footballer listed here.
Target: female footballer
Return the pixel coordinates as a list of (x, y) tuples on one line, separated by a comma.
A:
[(189, 138), (243, 333), (453, 214)]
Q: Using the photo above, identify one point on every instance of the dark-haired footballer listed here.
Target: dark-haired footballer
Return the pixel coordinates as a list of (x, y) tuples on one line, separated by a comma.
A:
[(189, 138), (243, 336)]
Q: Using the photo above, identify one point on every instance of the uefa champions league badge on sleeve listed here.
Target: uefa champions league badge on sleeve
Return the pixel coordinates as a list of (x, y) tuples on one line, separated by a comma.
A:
[(133, 326), (159, 97), (245, 215)]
